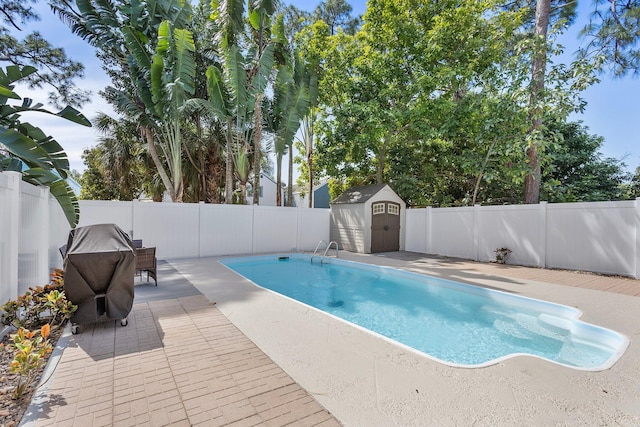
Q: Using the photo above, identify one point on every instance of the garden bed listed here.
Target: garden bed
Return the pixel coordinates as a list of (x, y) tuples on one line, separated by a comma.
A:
[(12, 410)]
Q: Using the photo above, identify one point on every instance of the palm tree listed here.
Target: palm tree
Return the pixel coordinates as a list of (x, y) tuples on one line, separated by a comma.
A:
[(121, 155)]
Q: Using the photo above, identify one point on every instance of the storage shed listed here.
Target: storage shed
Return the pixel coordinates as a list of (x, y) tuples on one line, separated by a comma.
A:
[(368, 219)]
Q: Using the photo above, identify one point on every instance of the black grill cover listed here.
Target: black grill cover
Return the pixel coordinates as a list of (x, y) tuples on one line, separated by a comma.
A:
[(99, 268)]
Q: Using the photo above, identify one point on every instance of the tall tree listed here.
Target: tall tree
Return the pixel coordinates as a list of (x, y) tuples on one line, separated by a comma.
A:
[(236, 87), (538, 70), (115, 166), (337, 15), (290, 104), (155, 51), (54, 69), (613, 32), (577, 171)]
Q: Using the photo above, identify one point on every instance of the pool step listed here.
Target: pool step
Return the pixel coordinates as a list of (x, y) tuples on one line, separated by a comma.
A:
[(558, 324)]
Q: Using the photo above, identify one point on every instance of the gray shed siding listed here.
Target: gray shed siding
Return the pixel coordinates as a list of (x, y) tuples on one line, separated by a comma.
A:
[(347, 228), (351, 221)]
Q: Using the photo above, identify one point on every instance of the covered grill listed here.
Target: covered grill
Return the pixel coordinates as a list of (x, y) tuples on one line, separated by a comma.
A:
[(99, 268)]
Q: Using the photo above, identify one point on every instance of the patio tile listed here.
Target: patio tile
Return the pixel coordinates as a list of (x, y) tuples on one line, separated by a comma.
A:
[(178, 362)]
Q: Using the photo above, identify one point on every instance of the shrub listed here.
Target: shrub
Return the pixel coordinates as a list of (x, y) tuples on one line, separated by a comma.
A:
[(29, 355), (39, 306)]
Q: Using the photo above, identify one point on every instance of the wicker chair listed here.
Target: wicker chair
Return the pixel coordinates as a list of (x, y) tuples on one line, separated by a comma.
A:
[(146, 261)]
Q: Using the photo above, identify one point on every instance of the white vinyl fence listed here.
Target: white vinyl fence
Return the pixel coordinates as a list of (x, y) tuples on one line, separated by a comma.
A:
[(602, 237), (33, 227), (191, 230)]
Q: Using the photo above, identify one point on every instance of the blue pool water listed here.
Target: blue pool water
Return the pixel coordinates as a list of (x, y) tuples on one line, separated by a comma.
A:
[(458, 324)]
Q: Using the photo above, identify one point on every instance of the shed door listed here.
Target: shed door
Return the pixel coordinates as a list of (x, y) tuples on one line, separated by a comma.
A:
[(385, 227)]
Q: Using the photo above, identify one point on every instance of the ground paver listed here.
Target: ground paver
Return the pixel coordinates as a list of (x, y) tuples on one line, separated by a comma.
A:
[(164, 368), (180, 361)]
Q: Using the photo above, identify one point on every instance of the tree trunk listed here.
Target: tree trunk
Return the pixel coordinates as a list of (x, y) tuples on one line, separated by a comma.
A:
[(257, 150), (151, 146), (290, 177), (538, 69), (309, 143), (481, 173), (382, 154), (228, 180), (309, 166), (278, 179)]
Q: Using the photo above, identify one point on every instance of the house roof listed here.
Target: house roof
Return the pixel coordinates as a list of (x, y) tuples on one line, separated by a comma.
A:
[(263, 175), (358, 194)]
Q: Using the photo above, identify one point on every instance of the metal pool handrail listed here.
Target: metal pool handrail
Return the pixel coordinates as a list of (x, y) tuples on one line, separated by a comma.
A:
[(327, 250)]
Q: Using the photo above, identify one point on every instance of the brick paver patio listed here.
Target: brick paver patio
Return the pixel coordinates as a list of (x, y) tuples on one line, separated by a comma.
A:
[(179, 362)]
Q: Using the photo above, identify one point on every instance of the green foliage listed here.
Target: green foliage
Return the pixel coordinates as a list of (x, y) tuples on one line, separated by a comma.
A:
[(151, 44), (237, 85), (613, 33), (434, 98), (337, 15), (577, 171), (116, 165), (27, 149), (29, 355), (39, 306), (53, 68)]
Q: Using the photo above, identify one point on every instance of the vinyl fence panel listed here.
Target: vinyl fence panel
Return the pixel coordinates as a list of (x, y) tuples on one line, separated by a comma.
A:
[(173, 228), (313, 226), (225, 229), (275, 229), (107, 212), (516, 227), (453, 232), (9, 234), (58, 233), (33, 245), (598, 237), (416, 239)]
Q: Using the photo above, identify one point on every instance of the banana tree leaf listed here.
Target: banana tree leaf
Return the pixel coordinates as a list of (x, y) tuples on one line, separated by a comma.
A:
[(59, 189), (35, 148), (8, 93), (163, 38), (14, 73), (185, 62), (254, 19), (237, 80), (157, 85), (136, 47), (265, 66), (74, 116), (218, 94), (179, 13)]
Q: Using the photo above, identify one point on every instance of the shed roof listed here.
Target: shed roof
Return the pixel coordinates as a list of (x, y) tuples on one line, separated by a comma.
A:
[(358, 194)]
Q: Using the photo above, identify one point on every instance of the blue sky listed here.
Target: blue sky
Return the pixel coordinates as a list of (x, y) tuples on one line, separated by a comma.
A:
[(612, 110)]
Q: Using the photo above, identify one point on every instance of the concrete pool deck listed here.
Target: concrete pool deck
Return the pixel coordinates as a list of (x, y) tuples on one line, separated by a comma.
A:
[(257, 358), (365, 380)]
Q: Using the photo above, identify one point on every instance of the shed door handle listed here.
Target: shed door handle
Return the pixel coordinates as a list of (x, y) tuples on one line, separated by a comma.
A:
[(386, 227)]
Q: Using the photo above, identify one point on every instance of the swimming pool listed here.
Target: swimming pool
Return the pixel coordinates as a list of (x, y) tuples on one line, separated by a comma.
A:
[(454, 323)]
